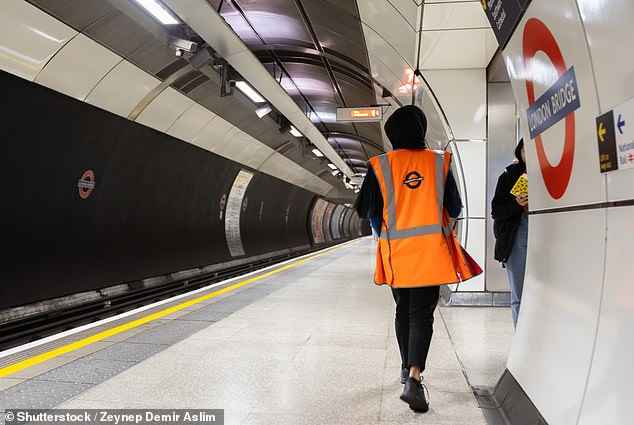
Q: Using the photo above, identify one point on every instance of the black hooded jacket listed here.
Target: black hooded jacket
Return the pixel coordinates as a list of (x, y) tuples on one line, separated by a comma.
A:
[(506, 212), (406, 129)]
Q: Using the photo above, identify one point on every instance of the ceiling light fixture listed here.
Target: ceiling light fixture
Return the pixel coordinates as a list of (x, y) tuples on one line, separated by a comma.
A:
[(332, 166), (317, 153), (249, 92), (263, 110), (334, 173), (295, 132), (159, 11)]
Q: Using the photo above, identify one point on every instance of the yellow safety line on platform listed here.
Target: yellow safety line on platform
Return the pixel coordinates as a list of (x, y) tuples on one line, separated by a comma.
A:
[(105, 334)]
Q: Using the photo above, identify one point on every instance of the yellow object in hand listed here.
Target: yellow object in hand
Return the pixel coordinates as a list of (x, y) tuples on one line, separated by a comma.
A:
[(521, 186)]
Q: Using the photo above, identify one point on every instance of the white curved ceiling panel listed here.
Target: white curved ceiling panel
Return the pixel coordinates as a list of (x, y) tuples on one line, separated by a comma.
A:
[(245, 150), (383, 18), (228, 138), (285, 169), (408, 9), (29, 38), (221, 137), (386, 76), (446, 16), (462, 94), (274, 163), (78, 67), (457, 49), (317, 185), (188, 125), (121, 90), (380, 51), (163, 111), (214, 131)]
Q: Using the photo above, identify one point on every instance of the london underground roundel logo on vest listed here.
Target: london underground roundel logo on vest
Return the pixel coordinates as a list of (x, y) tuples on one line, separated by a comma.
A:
[(413, 180), (559, 102)]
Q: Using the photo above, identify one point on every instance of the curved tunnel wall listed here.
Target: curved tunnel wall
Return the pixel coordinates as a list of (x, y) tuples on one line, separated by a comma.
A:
[(159, 205), (573, 348)]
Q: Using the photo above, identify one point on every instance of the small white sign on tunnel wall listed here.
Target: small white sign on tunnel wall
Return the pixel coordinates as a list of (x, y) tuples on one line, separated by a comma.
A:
[(234, 209)]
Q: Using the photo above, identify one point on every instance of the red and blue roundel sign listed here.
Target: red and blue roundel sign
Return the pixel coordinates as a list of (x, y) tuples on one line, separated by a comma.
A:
[(559, 102), (86, 184)]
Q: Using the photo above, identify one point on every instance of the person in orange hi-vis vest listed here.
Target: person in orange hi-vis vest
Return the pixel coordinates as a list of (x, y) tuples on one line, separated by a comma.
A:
[(412, 193)]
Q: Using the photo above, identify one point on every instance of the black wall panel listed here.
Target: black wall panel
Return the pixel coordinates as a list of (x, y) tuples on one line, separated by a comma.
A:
[(261, 224), (155, 209), (297, 217), (275, 216)]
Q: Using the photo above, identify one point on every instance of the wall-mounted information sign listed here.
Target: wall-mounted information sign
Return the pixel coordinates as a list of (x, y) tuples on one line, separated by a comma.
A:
[(234, 208), (317, 220), (503, 16), (615, 136), (368, 114)]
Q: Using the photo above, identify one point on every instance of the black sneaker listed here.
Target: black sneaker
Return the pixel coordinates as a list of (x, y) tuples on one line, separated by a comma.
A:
[(414, 395), (404, 375)]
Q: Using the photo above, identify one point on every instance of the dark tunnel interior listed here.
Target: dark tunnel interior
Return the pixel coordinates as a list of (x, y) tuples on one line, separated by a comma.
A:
[(158, 205)]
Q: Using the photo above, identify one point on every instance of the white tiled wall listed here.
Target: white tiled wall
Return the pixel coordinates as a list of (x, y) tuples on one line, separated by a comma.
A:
[(462, 94)]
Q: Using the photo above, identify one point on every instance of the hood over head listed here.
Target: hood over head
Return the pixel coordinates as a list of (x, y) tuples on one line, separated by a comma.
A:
[(406, 128)]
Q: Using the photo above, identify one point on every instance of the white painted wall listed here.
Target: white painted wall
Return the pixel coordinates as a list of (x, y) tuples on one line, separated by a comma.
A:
[(462, 95), (574, 343)]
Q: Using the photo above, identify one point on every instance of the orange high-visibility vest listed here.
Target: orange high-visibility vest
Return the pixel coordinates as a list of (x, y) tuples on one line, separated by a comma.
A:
[(417, 246)]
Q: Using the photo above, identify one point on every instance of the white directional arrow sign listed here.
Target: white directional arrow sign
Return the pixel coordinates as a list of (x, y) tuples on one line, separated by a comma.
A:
[(624, 132)]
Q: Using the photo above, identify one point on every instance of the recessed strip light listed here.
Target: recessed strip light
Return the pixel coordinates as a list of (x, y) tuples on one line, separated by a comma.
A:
[(317, 153), (332, 166), (249, 92), (263, 110), (334, 173), (295, 132), (159, 11)]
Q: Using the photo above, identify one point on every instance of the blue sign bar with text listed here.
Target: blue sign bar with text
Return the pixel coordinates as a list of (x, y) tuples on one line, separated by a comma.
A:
[(559, 101)]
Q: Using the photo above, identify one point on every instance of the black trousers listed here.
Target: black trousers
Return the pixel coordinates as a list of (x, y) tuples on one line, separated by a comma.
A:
[(414, 322)]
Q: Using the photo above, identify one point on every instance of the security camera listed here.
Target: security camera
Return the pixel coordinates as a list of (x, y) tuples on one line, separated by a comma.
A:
[(181, 44)]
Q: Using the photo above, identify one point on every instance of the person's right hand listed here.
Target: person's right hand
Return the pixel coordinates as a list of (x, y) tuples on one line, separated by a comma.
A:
[(522, 199)]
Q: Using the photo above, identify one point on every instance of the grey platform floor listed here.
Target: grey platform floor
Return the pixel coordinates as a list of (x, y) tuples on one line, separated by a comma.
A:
[(313, 344)]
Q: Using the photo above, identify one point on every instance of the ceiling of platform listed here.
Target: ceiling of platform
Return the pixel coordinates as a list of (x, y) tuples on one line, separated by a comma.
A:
[(324, 53), (348, 53), (316, 50)]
